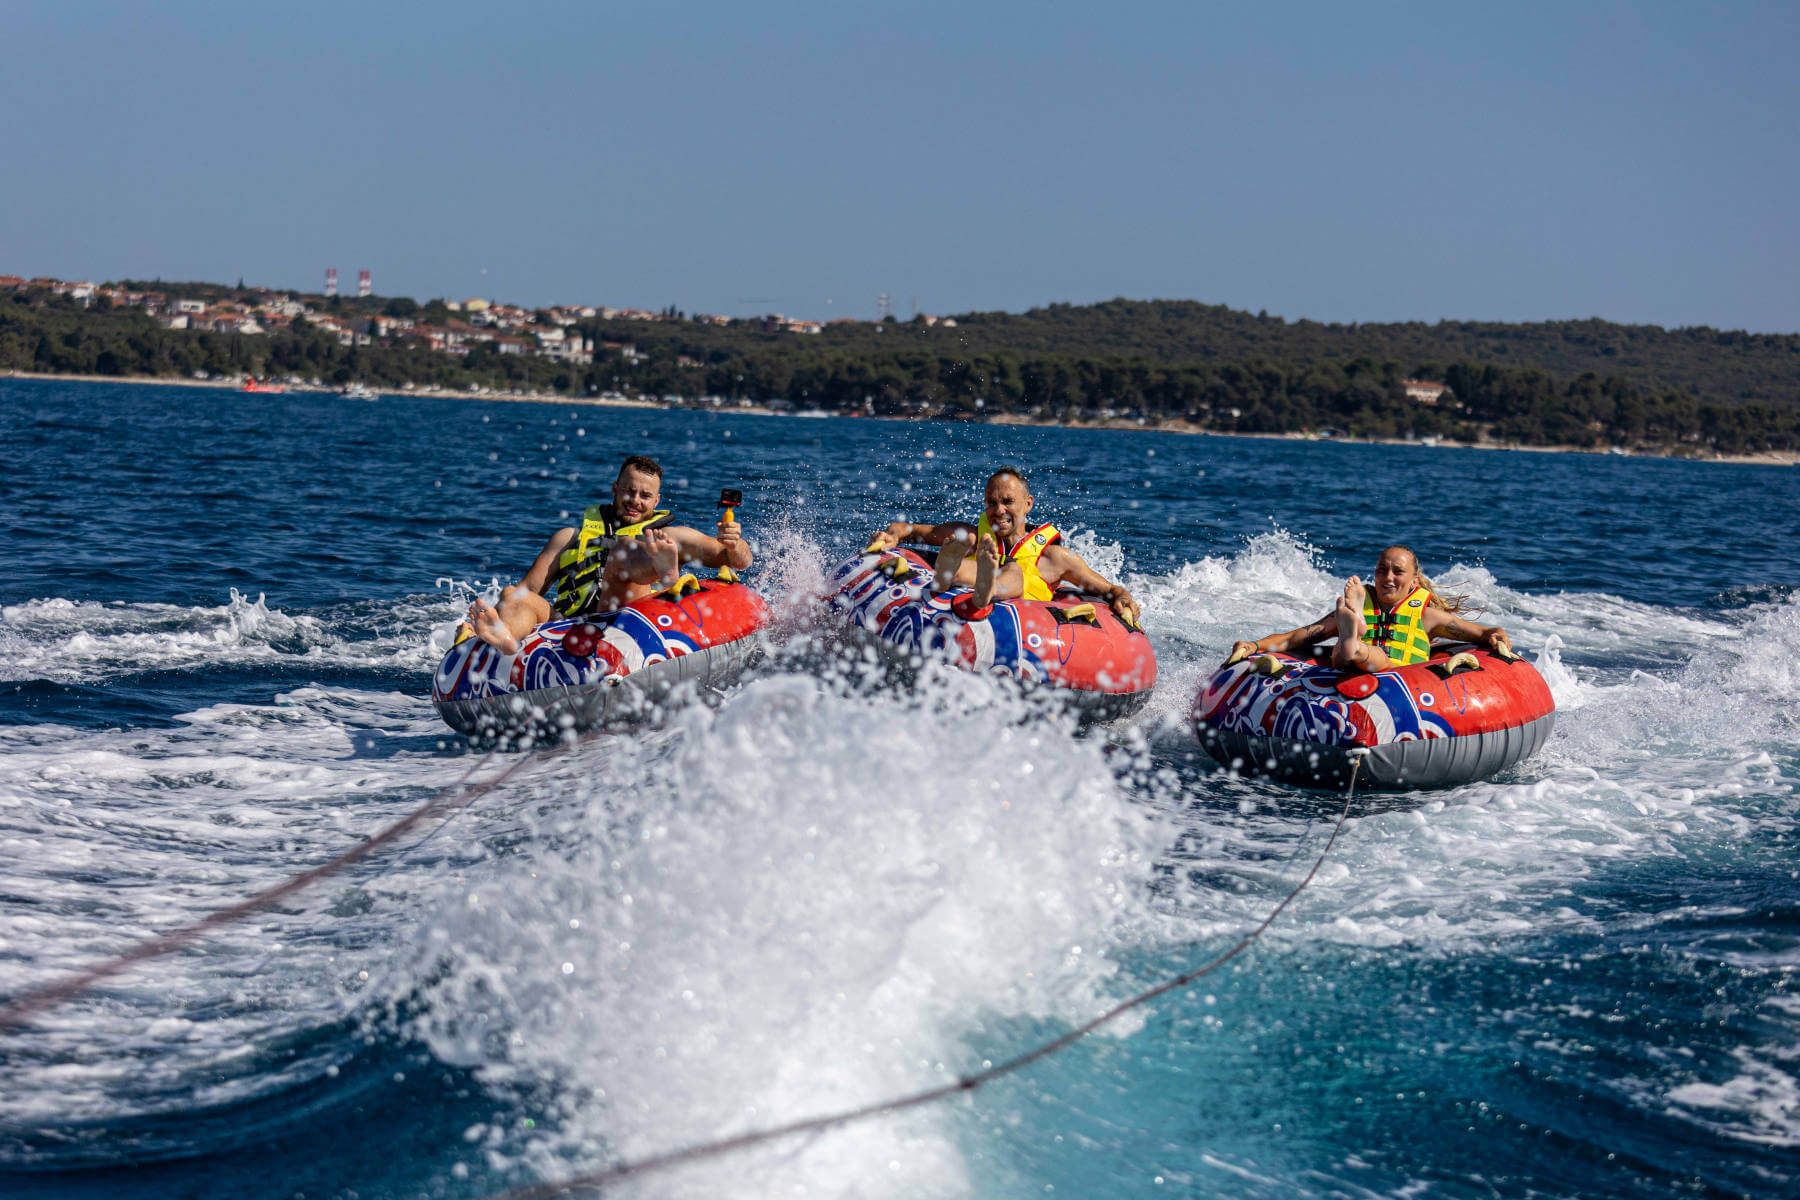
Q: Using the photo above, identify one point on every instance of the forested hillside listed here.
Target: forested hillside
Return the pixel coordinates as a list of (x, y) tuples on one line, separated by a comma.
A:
[(1586, 383)]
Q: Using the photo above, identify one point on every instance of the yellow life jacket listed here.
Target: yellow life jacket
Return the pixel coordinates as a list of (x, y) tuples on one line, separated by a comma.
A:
[(577, 579), (1025, 552), (1401, 633)]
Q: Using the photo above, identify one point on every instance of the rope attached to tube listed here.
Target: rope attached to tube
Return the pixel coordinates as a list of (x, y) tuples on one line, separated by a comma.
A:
[(451, 799), (456, 797), (966, 1084)]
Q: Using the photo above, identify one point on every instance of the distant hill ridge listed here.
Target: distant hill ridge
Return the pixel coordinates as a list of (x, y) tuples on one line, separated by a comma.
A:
[(1722, 366), (1709, 364), (1589, 383)]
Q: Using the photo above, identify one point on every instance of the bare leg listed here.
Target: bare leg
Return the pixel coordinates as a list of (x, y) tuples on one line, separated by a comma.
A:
[(521, 610), (1350, 623), (949, 562), (987, 563), (1354, 656), (1350, 654)]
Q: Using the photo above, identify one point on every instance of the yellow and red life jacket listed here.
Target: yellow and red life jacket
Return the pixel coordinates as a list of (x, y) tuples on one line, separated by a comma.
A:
[(1026, 552)]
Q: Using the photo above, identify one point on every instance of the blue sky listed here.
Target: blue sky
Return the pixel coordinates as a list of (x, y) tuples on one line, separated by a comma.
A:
[(1338, 162)]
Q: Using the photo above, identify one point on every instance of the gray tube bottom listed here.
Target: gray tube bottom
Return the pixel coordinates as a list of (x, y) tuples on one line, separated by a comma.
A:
[(1393, 766), (617, 700)]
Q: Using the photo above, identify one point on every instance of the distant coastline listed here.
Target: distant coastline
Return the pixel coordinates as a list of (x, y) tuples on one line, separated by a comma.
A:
[(1771, 458), (1176, 365)]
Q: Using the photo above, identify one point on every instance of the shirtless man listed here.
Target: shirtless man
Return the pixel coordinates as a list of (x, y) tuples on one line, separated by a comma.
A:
[(621, 552), (1012, 558), (1391, 625)]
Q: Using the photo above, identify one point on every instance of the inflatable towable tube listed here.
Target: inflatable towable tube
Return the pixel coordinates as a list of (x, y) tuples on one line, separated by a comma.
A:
[(1455, 718), (1072, 642), (578, 673)]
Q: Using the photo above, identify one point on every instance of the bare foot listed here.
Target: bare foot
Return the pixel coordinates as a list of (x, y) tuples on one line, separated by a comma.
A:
[(1350, 623), (949, 561), (987, 564), (665, 556), (484, 618)]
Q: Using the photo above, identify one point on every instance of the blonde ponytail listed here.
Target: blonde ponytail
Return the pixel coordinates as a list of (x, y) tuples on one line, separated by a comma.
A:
[(1454, 603)]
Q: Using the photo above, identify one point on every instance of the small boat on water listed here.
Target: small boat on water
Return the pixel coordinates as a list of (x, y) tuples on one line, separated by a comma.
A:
[(359, 391), (1462, 715), (1072, 643), (267, 387), (605, 669)]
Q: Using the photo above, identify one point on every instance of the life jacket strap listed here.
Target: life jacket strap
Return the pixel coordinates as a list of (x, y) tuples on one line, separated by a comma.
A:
[(579, 567), (1400, 631)]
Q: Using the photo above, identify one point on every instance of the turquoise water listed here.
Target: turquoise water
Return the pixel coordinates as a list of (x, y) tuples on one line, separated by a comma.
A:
[(218, 621)]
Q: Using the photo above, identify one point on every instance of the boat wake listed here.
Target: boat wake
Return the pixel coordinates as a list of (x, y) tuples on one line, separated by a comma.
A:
[(822, 890)]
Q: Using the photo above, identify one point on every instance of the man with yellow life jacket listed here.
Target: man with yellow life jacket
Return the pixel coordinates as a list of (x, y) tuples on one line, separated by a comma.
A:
[(622, 551), (1012, 557), (1391, 624)]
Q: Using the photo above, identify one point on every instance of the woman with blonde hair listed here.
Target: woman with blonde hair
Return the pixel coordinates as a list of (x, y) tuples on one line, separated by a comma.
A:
[(1391, 624)]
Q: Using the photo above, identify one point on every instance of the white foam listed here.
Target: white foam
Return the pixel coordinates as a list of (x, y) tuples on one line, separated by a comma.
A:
[(1760, 1104), (121, 835), (789, 910), (88, 642), (819, 914)]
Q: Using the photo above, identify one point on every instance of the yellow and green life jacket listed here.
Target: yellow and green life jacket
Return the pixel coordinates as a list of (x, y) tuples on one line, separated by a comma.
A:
[(1026, 552), (576, 583), (1401, 632)]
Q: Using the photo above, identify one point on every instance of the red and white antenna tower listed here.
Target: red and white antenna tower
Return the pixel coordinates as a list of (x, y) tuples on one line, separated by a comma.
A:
[(363, 284), (331, 281)]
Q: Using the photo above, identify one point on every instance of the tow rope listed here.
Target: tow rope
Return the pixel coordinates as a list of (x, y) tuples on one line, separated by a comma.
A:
[(451, 799), (966, 1084), (459, 796)]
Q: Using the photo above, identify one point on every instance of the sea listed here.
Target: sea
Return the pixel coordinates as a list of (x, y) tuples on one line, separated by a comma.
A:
[(823, 888)]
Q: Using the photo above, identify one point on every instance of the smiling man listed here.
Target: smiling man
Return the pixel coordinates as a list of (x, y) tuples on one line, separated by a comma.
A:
[(1012, 557), (622, 551)]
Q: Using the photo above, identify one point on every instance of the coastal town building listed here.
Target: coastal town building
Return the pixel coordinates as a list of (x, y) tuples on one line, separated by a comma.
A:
[(1424, 391), (552, 333)]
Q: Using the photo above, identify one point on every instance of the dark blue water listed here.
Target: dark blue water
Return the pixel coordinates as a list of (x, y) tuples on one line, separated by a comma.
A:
[(218, 620)]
